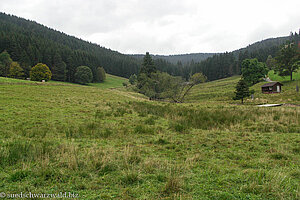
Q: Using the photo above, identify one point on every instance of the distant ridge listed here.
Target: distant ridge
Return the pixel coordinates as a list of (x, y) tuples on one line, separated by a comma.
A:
[(183, 58)]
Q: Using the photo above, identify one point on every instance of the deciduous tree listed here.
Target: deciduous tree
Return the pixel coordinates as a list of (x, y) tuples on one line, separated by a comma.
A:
[(100, 75), (83, 75), (5, 62), (15, 71), (40, 72), (253, 71), (195, 79), (288, 60), (271, 62)]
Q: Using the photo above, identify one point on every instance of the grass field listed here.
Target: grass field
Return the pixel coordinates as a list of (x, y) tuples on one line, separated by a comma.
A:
[(111, 81), (275, 77), (220, 91), (103, 142)]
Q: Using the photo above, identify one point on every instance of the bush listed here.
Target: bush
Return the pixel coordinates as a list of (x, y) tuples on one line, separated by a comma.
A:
[(132, 79), (40, 72), (15, 71), (83, 75), (5, 62), (100, 75)]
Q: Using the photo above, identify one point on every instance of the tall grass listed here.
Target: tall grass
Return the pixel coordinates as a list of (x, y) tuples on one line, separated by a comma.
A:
[(108, 144), (183, 118)]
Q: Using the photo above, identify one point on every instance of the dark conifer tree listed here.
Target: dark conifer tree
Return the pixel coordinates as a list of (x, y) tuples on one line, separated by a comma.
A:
[(148, 66), (58, 68), (242, 90)]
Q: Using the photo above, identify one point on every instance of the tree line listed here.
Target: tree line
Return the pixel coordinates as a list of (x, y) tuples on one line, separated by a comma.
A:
[(29, 43), (10, 68)]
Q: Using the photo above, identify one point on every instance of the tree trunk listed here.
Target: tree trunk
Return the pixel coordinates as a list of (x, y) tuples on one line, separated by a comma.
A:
[(291, 76), (182, 98), (242, 100)]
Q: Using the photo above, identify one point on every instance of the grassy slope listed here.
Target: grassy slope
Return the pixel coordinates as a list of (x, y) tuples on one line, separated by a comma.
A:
[(111, 82), (220, 91), (275, 77), (109, 143)]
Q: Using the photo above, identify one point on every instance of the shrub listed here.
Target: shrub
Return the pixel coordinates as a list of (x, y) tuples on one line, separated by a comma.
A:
[(132, 79), (99, 75), (83, 75), (40, 72), (15, 71), (5, 62), (125, 84)]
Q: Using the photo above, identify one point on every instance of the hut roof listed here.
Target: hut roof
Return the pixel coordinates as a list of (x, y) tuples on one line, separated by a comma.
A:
[(270, 84)]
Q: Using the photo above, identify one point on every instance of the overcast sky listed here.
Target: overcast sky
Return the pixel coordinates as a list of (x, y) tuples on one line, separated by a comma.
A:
[(164, 27)]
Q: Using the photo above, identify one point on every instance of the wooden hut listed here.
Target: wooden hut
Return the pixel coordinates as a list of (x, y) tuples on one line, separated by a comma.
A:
[(271, 87)]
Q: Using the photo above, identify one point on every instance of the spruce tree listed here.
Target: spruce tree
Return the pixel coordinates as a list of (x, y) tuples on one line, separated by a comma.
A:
[(148, 66), (288, 60), (58, 68), (242, 90), (147, 69)]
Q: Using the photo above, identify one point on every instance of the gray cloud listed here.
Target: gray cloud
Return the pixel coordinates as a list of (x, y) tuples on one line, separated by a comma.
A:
[(163, 27)]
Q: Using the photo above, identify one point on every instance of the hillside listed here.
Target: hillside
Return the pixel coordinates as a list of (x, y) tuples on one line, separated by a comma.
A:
[(220, 91), (219, 65), (30, 43), (275, 77), (262, 49), (104, 143), (227, 64)]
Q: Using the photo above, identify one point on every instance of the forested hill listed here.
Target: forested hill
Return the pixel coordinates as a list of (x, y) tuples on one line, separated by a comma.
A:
[(262, 48), (180, 58), (30, 43), (218, 65), (229, 63)]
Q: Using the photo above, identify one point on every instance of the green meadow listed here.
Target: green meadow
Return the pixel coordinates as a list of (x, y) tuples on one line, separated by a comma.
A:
[(103, 141), (111, 81), (275, 77)]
